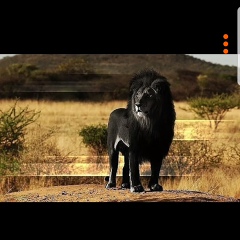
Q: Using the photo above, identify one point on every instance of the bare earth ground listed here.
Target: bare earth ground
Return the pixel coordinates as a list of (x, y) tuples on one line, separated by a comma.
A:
[(98, 193)]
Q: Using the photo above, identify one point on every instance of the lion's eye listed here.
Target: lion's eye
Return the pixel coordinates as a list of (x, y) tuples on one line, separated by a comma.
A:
[(150, 92)]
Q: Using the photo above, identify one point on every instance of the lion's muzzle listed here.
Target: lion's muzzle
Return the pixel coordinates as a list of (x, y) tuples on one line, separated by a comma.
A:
[(139, 108)]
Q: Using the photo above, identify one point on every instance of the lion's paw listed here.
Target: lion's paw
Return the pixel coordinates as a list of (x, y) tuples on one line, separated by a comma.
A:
[(138, 188), (125, 185), (111, 185), (156, 188)]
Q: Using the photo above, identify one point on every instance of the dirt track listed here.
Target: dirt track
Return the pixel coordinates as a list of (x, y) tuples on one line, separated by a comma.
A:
[(98, 193)]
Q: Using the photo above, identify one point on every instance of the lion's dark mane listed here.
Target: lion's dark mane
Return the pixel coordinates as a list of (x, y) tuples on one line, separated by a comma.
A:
[(154, 136)]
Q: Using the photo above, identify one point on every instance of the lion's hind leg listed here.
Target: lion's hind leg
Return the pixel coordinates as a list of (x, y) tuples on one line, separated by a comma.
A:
[(113, 159)]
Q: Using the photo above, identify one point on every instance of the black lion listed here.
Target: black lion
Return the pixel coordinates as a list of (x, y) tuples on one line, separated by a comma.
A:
[(143, 131)]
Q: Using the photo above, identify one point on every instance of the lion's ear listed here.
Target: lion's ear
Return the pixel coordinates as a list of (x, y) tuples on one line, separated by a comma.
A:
[(160, 85)]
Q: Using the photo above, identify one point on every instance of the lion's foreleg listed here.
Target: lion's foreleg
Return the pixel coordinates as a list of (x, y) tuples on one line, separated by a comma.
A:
[(155, 170), (135, 183), (113, 160)]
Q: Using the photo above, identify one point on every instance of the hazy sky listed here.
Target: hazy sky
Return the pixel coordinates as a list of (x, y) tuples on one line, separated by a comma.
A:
[(5, 55), (224, 59)]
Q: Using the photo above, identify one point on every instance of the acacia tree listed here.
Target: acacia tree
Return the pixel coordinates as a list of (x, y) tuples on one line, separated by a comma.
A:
[(214, 108)]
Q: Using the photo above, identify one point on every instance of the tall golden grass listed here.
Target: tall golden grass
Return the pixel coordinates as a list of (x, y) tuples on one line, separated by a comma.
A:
[(66, 119)]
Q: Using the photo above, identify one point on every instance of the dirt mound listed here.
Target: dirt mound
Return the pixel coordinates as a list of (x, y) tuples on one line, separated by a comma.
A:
[(98, 193)]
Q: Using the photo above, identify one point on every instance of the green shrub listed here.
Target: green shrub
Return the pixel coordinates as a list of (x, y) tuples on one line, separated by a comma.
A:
[(95, 138), (13, 123)]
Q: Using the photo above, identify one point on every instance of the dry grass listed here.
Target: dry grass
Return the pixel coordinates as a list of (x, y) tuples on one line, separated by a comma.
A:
[(67, 118), (220, 181)]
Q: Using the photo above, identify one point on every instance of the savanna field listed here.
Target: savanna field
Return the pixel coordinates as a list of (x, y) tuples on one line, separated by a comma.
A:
[(208, 159)]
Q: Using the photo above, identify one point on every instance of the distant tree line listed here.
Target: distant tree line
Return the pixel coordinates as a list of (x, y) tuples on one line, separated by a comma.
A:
[(189, 84), (77, 80)]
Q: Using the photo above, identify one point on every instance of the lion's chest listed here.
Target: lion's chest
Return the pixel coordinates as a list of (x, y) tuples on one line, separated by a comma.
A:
[(146, 143)]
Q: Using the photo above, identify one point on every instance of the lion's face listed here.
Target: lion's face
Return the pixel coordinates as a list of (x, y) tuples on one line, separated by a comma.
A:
[(147, 99), (144, 101)]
